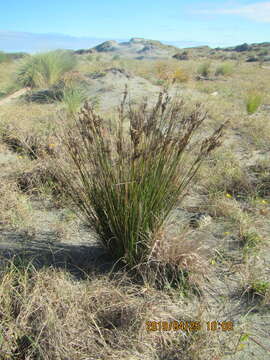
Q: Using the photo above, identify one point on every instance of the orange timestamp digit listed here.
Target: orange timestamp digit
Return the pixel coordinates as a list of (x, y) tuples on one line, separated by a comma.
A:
[(219, 325)]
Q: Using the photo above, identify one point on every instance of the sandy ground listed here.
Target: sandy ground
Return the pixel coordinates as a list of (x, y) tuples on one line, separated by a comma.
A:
[(13, 96)]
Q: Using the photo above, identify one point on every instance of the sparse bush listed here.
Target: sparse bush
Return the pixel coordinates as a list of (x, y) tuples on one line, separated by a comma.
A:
[(46, 69), (250, 241), (126, 184), (224, 69), (264, 52), (204, 69), (163, 71), (260, 287), (167, 72), (253, 102), (116, 57), (180, 76)]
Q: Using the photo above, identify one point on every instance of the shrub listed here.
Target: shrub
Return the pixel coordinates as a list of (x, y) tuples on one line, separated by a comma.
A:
[(125, 179), (253, 102), (163, 70), (224, 69), (204, 69), (116, 57), (167, 72), (180, 76), (46, 69), (264, 52)]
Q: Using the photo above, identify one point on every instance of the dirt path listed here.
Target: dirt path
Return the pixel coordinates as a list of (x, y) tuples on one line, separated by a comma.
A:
[(15, 95)]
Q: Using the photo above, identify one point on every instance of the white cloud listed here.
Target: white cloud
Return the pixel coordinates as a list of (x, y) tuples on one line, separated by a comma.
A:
[(259, 11)]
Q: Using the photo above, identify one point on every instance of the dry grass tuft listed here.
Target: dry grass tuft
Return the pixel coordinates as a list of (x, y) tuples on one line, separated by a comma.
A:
[(47, 315), (15, 209), (34, 146)]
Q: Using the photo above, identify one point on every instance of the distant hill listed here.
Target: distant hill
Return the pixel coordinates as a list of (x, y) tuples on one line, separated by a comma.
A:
[(138, 48), (257, 52)]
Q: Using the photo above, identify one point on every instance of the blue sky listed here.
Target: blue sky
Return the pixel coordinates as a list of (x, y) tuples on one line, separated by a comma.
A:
[(218, 23)]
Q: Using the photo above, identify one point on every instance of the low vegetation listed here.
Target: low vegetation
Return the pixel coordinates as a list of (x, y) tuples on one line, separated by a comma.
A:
[(224, 69), (73, 98), (46, 69), (253, 102), (204, 69)]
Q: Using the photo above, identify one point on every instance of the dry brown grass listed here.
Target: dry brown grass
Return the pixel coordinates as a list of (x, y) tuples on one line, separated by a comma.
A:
[(34, 143), (15, 208), (47, 315)]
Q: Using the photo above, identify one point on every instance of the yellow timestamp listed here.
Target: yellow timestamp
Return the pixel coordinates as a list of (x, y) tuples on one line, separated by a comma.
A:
[(189, 325)]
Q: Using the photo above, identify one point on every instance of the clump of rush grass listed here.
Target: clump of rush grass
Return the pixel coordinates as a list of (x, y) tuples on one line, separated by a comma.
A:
[(224, 69), (253, 102), (127, 178), (204, 69), (73, 98), (45, 69)]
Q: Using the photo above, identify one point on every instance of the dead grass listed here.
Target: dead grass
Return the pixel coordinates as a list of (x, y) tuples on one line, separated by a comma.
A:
[(15, 208), (47, 315), (34, 143)]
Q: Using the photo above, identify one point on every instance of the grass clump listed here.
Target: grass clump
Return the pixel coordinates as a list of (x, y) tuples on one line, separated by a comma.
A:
[(45, 69), (180, 76), (204, 69), (260, 287), (253, 102), (167, 73), (73, 98), (224, 69), (250, 240), (128, 177)]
